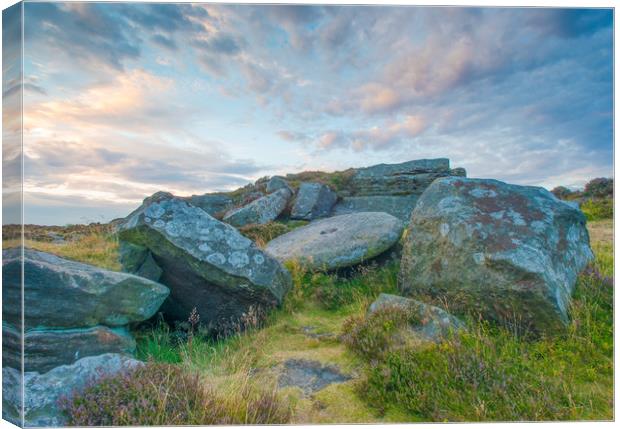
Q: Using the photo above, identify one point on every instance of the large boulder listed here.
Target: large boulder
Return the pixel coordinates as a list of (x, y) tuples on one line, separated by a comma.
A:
[(392, 188), (60, 293), (411, 177), (42, 391), (339, 241), (511, 253), (260, 211), (313, 201), (427, 323), (207, 264), (45, 349)]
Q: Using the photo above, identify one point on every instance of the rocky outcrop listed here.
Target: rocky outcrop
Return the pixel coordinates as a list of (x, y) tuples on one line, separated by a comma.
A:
[(42, 391), (313, 201), (339, 241), (71, 310), (276, 183), (427, 323), (60, 293), (392, 188), (207, 264), (260, 211), (511, 253)]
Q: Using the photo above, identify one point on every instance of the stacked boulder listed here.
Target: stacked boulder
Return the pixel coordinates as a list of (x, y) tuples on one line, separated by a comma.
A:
[(71, 310), (392, 188), (207, 264), (510, 253), (260, 211)]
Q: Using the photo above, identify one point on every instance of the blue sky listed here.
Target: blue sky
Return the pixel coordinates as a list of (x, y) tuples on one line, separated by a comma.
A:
[(122, 100)]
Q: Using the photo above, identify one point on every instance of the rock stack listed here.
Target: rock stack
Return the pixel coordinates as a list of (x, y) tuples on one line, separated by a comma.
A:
[(72, 311)]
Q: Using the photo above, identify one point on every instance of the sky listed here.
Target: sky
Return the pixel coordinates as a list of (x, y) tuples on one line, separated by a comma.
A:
[(124, 99)]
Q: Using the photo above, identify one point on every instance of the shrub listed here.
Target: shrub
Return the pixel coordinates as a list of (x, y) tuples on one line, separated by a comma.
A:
[(598, 209), (373, 336), (165, 395), (602, 187)]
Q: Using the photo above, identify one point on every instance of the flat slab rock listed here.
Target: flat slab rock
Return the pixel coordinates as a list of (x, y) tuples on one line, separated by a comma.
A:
[(398, 206), (339, 241), (206, 263), (309, 375), (45, 349), (511, 253), (42, 391), (61, 293)]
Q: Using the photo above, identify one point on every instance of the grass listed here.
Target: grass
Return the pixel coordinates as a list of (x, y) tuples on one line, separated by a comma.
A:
[(598, 209), (263, 234), (486, 374)]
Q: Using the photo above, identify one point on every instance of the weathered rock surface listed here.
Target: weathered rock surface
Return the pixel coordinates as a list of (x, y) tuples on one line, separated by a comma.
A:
[(206, 263), (309, 375), (43, 391), (339, 241), (406, 178), (398, 206), (429, 323), (63, 294), (313, 201), (138, 260), (214, 204), (392, 188), (276, 183), (45, 349), (510, 252), (260, 211)]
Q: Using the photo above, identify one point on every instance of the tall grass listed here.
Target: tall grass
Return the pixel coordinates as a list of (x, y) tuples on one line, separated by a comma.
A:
[(490, 374)]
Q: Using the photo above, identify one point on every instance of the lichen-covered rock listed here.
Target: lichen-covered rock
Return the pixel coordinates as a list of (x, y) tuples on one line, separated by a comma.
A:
[(313, 201), (43, 391), (276, 183), (427, 322), (45, 349), (260, 211), (510, 252), (206, 263), (339, 241), (64, 294)]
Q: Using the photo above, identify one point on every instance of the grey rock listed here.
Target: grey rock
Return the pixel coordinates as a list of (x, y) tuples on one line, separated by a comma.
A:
[(138, 260), (429, 323), (309, 375), (398, 206), (406, 178), (260, 211), (43, 391), (313, 201), (206, 263), (511, 253), (213, 204), (64, 294), (276, 183), (45, 349), (339, 241)]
